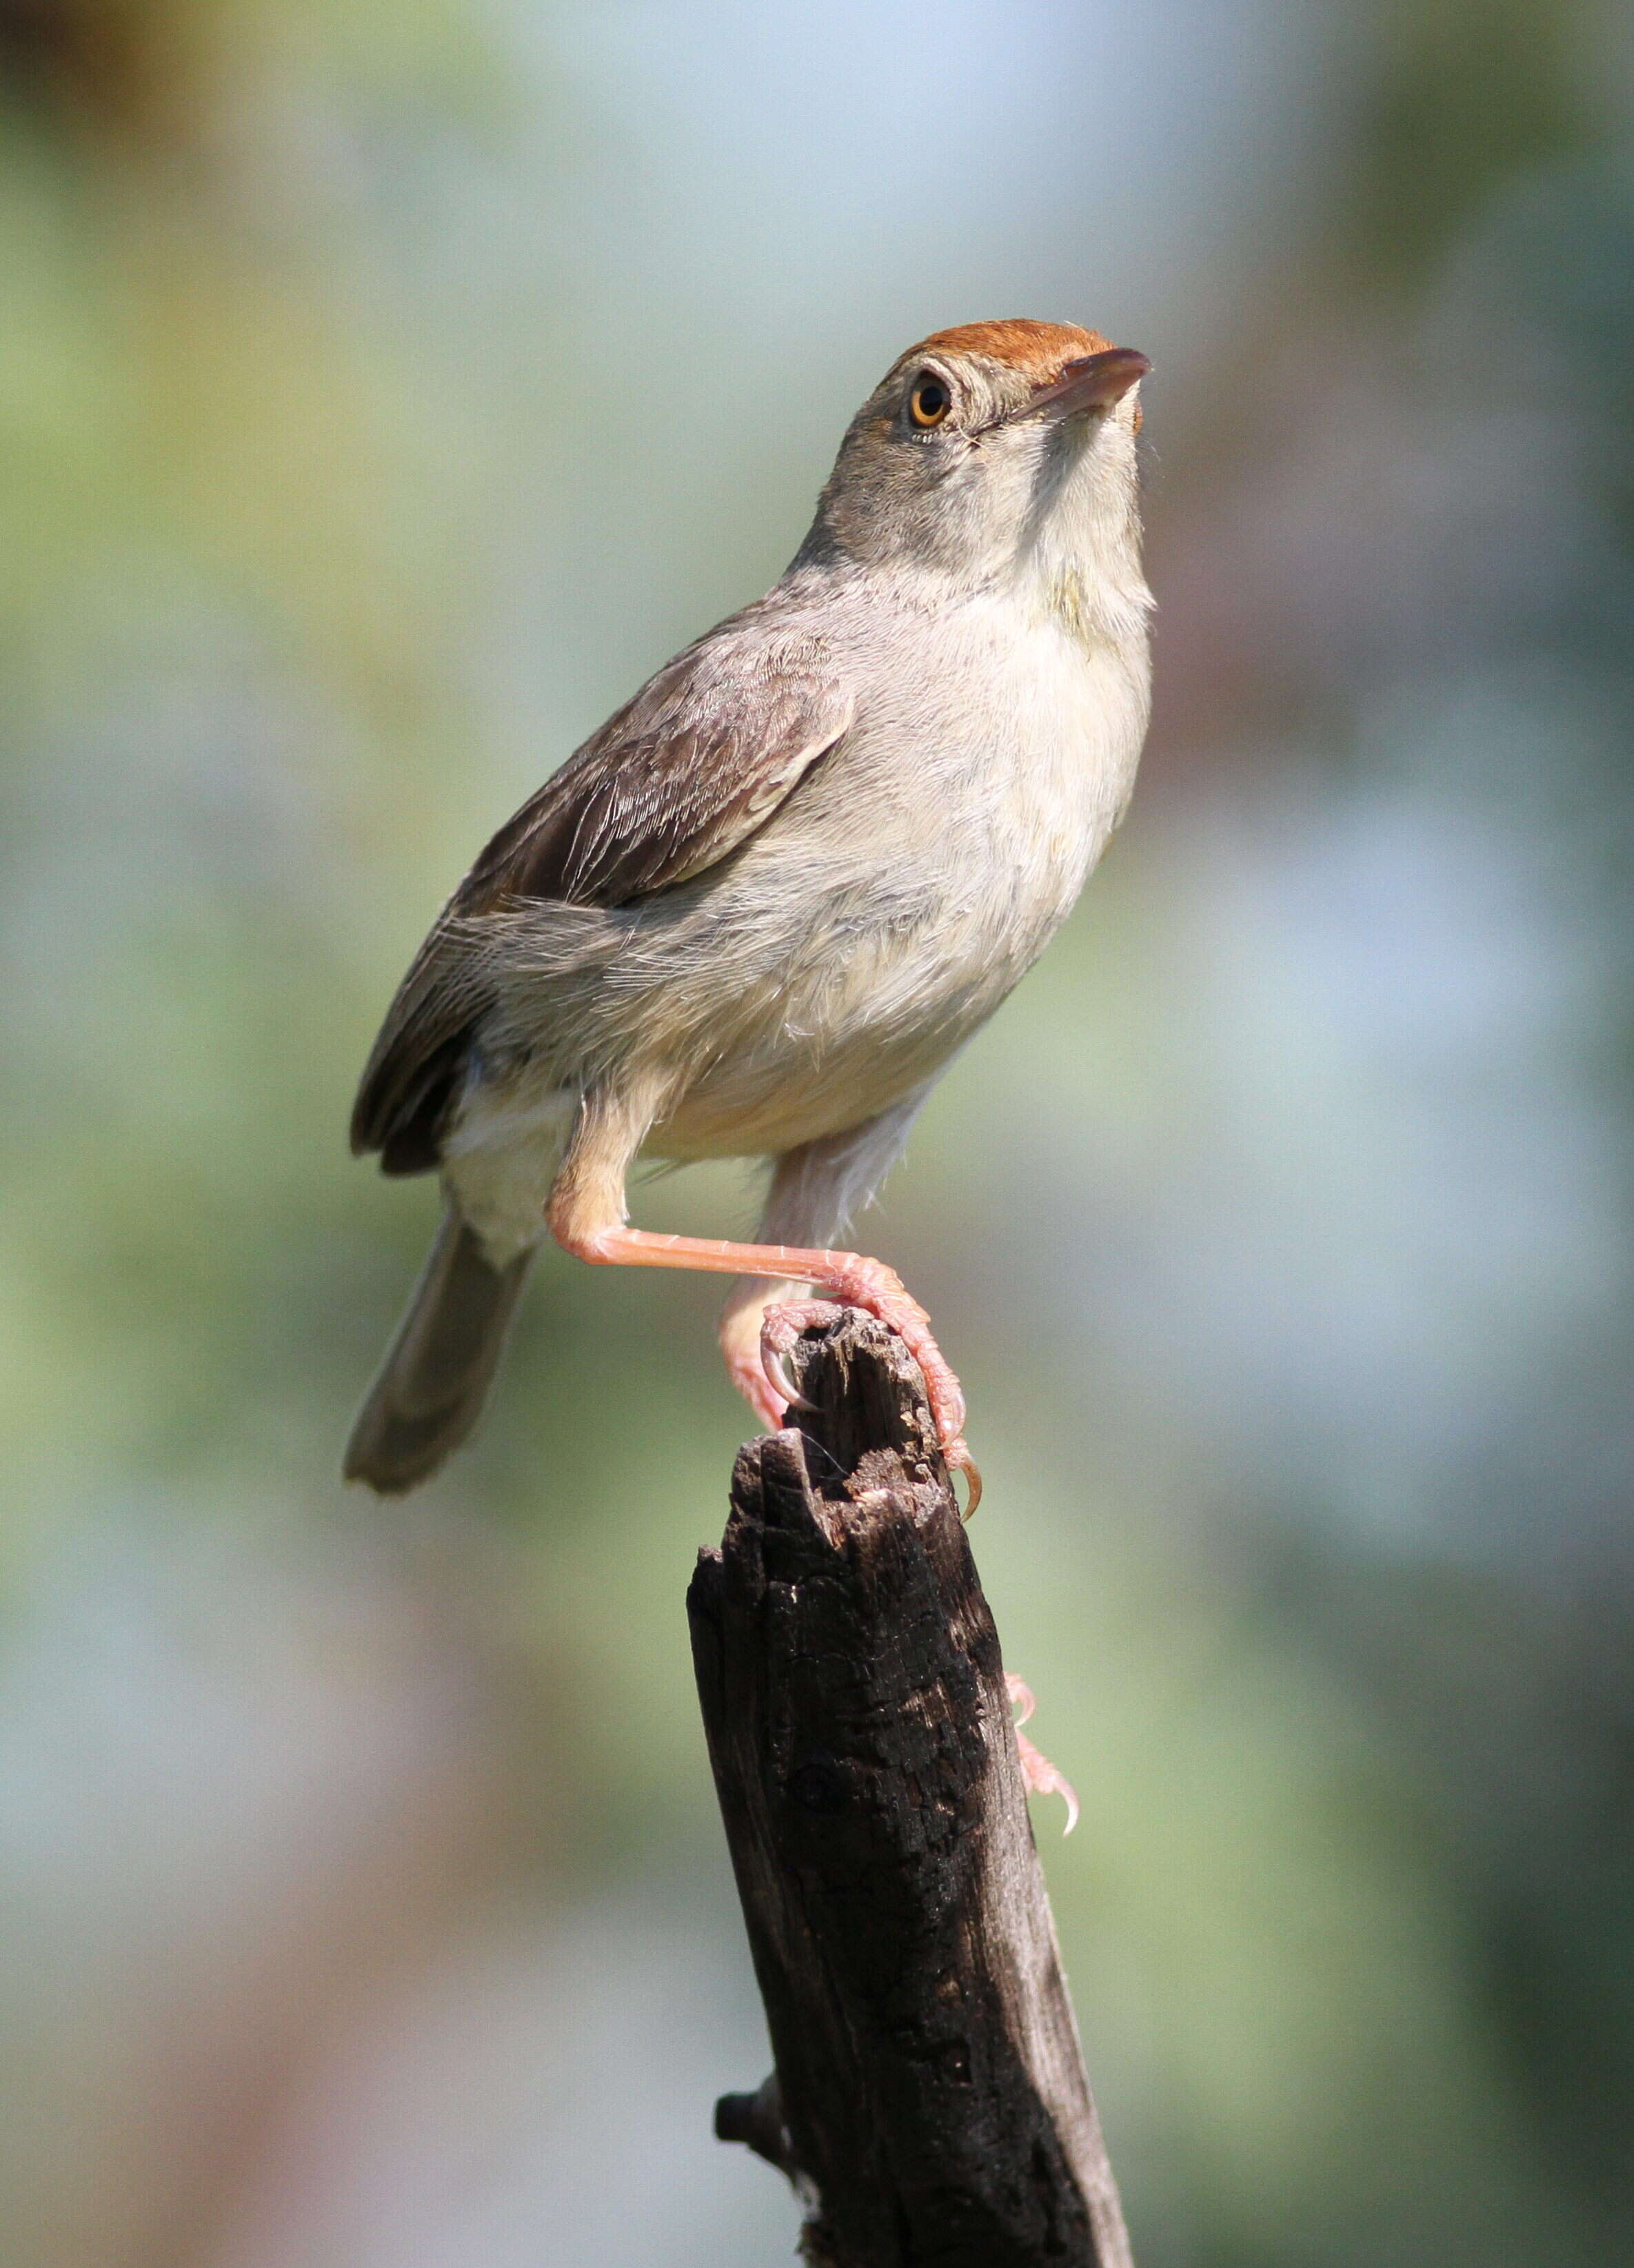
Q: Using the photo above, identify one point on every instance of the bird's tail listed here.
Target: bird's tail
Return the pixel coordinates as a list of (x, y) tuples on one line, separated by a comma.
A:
[(435, 1379)]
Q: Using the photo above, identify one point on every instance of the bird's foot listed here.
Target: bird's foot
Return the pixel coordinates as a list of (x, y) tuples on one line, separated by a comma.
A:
[(764, 1384), (1040, 1774), (780, 1326), (878, 1290)]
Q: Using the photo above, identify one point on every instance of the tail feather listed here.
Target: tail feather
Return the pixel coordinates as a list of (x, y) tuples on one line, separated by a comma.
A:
[(435, 1379)]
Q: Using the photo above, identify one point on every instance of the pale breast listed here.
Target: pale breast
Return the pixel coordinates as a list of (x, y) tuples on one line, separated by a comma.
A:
[(911, 880)]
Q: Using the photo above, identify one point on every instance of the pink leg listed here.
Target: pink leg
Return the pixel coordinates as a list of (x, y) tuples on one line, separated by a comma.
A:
[(1040, 1774), (850, 1277)]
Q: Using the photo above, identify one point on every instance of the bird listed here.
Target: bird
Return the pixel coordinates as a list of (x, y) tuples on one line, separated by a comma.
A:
[(759, 911)]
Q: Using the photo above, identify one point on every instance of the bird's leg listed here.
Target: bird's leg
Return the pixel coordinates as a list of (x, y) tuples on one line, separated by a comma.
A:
[(586, 1215), (815, 1190), (853, 1280)]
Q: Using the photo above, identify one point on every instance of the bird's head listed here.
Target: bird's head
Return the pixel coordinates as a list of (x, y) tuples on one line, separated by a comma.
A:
[(995, 452)]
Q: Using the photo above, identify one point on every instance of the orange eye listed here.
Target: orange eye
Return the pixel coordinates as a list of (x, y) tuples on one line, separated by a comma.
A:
[(931, 400)]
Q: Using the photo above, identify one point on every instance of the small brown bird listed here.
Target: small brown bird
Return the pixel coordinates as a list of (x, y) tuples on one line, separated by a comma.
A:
[(759, 910)]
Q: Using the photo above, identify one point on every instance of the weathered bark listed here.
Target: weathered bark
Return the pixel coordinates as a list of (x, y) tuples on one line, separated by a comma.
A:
[(929, 2095)]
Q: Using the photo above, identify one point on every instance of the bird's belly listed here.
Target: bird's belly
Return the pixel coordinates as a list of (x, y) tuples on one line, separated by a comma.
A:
[(868, 1006), (772, 1098)]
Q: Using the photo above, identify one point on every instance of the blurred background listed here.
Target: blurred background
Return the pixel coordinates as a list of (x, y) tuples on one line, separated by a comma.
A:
[(385, 389)]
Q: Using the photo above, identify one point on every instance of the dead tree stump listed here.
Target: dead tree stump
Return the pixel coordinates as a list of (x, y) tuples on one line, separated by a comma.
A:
[(930, 2098)]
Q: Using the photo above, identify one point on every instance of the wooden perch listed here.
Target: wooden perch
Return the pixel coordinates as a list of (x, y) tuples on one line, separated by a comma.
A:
[(930, 2098)]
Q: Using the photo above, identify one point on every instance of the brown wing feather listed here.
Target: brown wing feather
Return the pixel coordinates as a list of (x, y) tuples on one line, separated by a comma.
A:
[(678, 778), (669, 786)]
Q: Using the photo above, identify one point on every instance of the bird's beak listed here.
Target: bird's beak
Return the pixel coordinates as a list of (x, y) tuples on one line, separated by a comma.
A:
[(1096, 381)]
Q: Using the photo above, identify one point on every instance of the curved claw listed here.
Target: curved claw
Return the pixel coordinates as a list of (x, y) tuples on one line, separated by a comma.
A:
[(778, 1379), (1043, 1779), (961, 1461), (780, 1326)]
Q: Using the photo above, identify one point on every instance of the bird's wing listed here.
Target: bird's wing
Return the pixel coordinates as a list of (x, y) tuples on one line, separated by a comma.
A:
[(682, 775), (670, 785)]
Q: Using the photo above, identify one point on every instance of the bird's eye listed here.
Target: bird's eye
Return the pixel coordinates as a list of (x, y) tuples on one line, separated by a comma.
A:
[(929, 402)]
